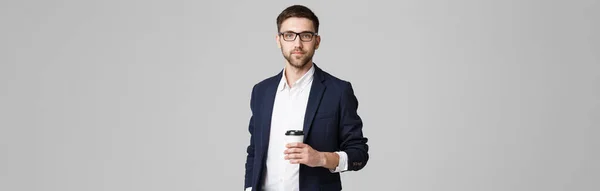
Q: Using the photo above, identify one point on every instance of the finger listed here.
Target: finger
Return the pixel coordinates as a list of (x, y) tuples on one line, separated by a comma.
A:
[(295, 145), (302, 161), (298, 161), (306, 149), (293, 156), (293, 150)]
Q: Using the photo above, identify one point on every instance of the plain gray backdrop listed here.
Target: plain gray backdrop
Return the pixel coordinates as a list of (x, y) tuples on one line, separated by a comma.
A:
[(154, 95)]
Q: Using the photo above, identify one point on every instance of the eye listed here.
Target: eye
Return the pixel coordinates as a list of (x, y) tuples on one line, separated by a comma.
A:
[(288, 35)]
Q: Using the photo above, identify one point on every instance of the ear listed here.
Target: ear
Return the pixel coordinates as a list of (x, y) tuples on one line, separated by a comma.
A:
[(278, 41), (318, 42)]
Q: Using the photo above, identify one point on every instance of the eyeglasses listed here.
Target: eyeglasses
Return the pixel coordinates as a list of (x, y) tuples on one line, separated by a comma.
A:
[(304, 36)]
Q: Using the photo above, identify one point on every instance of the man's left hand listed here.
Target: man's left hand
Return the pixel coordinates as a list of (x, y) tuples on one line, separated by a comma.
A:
[(300, 153)]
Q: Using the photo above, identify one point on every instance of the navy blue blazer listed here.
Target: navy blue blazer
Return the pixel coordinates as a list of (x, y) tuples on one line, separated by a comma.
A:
[(331, 124)]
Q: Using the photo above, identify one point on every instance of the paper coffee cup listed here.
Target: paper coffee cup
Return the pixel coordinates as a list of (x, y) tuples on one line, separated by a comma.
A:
[(292, 136)]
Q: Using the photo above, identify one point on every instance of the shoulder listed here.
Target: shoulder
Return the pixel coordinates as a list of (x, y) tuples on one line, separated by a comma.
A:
[(267, 82), (336, 83), (341, 88)]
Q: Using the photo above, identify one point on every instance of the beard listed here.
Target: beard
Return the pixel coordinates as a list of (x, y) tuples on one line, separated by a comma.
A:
[(298, 61)]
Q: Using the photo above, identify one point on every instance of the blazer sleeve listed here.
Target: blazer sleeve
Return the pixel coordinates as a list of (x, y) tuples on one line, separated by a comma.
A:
[(351, 135), (250, 148)]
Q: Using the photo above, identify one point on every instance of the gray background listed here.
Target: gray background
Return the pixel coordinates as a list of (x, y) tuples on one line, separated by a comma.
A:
[(154, 95)]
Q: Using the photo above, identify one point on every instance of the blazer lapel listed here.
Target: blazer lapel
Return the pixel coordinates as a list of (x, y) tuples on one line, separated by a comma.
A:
[(314, 99), (269, 101)]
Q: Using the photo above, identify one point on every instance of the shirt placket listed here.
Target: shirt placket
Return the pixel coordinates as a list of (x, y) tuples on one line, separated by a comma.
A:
[(291, 115)]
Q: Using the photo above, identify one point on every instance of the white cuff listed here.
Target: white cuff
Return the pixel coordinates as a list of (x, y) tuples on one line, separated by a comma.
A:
[(248, 189), (342, 164)]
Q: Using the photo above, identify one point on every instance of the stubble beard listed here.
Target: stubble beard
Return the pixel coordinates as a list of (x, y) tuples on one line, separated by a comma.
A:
[(298, 61)]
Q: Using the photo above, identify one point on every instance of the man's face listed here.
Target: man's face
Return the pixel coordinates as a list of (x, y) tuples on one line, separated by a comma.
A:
[(297, 52)]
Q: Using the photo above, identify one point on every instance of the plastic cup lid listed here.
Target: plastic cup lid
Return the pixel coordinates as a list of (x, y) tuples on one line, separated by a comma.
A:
[(294, 132)]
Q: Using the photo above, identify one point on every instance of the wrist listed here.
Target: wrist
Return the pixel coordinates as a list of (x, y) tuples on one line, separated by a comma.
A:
[(329, 160), (323, 159)]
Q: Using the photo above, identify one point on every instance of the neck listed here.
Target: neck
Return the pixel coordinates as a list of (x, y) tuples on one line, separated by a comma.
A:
[(292, 73)]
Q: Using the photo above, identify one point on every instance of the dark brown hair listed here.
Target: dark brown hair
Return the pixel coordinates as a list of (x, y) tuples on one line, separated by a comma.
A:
[(298, 11)]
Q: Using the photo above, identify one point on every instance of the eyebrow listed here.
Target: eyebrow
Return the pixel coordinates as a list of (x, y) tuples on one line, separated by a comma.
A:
[(298, 32)]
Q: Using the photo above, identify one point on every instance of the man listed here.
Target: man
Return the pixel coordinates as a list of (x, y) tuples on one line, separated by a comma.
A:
[(302, 97)]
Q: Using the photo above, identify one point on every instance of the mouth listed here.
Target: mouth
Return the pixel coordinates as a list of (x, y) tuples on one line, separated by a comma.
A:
[(297, 53)]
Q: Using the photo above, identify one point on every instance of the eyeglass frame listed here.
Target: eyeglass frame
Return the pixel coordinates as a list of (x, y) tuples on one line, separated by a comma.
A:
[(314, 34)]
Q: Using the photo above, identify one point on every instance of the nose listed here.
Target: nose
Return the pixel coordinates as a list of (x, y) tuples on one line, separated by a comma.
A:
[(297, 43)]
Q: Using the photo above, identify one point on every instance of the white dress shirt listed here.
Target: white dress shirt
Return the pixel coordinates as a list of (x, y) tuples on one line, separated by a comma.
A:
[(288, 114)]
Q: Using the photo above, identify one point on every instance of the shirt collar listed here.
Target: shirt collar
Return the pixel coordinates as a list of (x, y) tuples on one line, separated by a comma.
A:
[(306, 78)]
